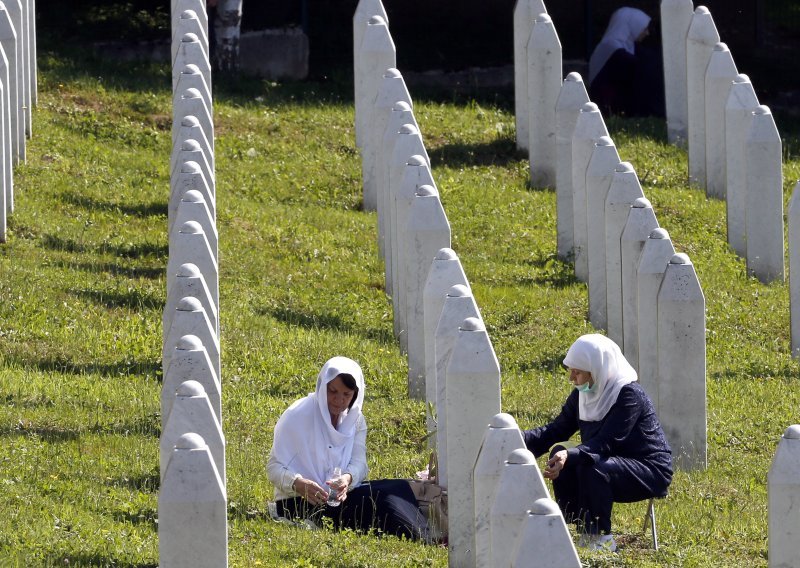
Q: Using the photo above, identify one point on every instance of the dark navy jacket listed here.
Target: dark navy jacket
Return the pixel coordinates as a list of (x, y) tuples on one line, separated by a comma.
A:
[(630, 430)]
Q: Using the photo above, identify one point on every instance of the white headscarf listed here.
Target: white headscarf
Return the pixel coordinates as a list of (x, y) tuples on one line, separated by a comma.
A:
[(305, 440), (610, 370), (625, 25)]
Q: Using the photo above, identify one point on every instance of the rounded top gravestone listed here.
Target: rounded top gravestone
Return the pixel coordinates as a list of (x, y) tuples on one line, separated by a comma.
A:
[(193, 196), (191, 228), (472, 324), (189, 304), (641, 203), (604, 141), (792, 432), (188, 270), (503, 420), (190, 441), (624, 168), (416, 160), (189, 343), (190, 145), (521, 457), (543, 19), (659, 234), (376, 21), (590, 107), (190, 167), (446, 254), (545, 506), (408, 129), (458, 291), (574, 77), (426, 191), (190, 388), (680, 258), (392, 73), (190, 121)]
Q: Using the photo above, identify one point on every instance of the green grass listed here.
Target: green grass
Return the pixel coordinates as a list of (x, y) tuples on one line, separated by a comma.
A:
[(82, 286)]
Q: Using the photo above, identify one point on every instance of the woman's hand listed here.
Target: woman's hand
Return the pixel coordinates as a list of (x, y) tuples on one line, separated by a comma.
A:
[(310, 491), (340, 485), (555, 464)]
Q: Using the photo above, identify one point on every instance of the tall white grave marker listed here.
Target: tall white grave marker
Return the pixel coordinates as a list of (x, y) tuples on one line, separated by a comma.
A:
[(545, 537), (190, 319), (192, 509), (544, 84), (599, 174), (571, 98), (676, 15), (189, 281), (364, 11), (473, 398), (588, 129), (783, 487), (8, 41), (794, 269), (720, 73), (682, 363), (190, 361), (501, 438), (764, 197), (656, 254), (427, 232), (525, 11), (739, 107), (700, 41)]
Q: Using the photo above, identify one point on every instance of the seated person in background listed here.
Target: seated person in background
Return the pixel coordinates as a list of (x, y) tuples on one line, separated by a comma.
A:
[(319, 460), (623, 455), (624, 76)]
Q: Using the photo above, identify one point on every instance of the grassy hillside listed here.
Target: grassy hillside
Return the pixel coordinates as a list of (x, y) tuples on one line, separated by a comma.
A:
[(82, 287)]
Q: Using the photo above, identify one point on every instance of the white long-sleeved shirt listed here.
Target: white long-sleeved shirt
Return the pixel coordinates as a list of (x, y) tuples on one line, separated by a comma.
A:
[(282, 476)]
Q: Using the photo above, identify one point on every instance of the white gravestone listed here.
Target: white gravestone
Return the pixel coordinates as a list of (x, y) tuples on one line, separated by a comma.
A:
[(641, 222), (544, 84), (599, 174), (191, 103), (408, 143), (192, 207), (189, 244), (189, 177), (188, 128), (520, 485), (588, 128), (427, 232), (571, 98), (391, 89), (190, 361), (6, 144), (739, 107), (192, 412), (190, 77), (458, 306), (764, 197), (544, 536), (190, 319), (178, 7), (700, 41), (8, 41), (656, 254), (794, 269), (400, 115), (191, 151), (14, 8), (377, 54), (783, 487), (676, 15), (720, 73), (682, 363), (188, 23), (624, 190), (525, 11), (502, 437), (473, 398), (191, 52), (32, 54), (192, 509), (27, 6), (445, 272), (415, 174), (363, 12), (188, 282)]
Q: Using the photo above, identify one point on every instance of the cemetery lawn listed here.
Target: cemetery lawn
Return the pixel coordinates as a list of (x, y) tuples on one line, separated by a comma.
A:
[(82, 288)]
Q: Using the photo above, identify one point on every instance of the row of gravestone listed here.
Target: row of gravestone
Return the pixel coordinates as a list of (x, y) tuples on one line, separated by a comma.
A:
[(647, 298), (733, 144), (18, 94), (192, 501), (437, 322)]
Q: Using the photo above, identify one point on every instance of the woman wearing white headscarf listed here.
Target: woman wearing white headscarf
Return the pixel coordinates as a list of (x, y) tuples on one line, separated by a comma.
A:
[(624, 77), (324, 431), (623, 455)]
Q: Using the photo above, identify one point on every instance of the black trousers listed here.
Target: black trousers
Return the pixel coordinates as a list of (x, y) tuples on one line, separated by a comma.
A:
[(386, 505), (586, 492)]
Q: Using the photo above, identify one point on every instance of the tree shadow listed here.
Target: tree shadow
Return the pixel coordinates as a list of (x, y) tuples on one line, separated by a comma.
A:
[(499, 152), (127, 250), (333, 322), (549, 271), (132, 299), (122, 368), (132, 272), (145, 482), (141, 517), (148, 426), (152, 209)]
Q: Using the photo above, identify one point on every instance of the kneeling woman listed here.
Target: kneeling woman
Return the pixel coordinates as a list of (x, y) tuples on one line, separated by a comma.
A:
[(319, 460), (623, 455)]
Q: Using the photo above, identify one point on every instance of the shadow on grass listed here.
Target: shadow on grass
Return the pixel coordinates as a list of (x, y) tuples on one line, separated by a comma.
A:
[(145, 516), (549, 270), (550, 362), (132, 299), (133, 272), (90, 560), (323, 321), (146, 482), (499, 152), (127, 250), (146, 426), (123, 368), (152, 209)]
